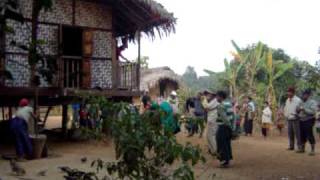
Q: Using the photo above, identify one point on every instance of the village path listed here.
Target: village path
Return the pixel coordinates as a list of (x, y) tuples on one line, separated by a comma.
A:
[(254, 158), (263, 159)]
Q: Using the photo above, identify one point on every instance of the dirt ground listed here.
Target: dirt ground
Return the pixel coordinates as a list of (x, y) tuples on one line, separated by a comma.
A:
[(254, 158)]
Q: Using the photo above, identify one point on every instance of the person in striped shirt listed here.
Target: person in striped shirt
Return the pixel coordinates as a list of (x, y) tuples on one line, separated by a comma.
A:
[(224, 131)]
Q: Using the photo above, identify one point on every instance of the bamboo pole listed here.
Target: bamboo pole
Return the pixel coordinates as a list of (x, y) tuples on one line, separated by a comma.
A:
[(139, 60)]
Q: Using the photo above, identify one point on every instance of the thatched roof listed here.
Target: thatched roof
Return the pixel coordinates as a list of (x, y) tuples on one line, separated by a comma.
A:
[(148, 16), (152, 77)]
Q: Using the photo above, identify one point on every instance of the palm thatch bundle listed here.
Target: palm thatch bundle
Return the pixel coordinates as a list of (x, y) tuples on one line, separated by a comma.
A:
[(148, 16), (151, 78)]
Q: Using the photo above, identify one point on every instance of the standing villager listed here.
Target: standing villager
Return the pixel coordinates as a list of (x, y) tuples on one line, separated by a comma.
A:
[(173, 101), (199, 111), (210, 104), (84, 117), (307, 112), (237, 118), (22, 126), (189, 106), (146, 100), (224, 131), (266, 119), (168, 121), (290, 113), (280, 120), (75, 114), (250, 109)]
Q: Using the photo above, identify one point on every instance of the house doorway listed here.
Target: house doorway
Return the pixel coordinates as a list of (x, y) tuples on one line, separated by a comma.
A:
[(166, 86), (72, 41)]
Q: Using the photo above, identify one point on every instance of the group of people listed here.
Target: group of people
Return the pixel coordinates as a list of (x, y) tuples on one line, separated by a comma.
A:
[(301, 115), (87, 115), (170, 106), (225, 117), (221, 122)]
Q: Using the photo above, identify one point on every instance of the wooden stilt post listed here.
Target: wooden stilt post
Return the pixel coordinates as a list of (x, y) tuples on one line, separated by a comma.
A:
[(46, 116), (3, 114), (64, 119), (10, 112)]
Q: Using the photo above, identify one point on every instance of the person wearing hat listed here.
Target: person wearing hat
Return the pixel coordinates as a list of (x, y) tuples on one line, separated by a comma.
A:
[(290, 113), (210, 104), (26, 112), (307, 112), (173, 101), (22, 128)]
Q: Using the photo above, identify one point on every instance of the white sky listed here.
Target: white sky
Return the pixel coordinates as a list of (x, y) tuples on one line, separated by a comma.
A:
[(205, 29)]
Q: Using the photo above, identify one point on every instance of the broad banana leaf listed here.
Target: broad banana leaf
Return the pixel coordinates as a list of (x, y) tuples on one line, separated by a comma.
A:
[(281, 69), (236, 46), (209, 72)]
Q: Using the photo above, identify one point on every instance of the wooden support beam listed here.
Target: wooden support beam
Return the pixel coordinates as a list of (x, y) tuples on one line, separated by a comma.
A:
[(139, 60), (46, 116), (2, 51), (3, 114), (10, 112), (73, 12), (64, 119), (115, 65)]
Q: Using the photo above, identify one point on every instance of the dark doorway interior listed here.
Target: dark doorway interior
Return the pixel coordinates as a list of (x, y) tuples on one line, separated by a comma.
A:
[(162, 86), (166, 86), (72, 56), (72, 41)]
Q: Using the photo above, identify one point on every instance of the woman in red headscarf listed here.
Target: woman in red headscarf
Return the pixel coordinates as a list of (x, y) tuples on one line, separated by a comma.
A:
[(26, 112), (20, 127)]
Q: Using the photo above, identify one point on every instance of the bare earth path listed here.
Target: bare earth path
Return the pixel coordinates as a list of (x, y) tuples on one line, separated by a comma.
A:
[(254, 158)]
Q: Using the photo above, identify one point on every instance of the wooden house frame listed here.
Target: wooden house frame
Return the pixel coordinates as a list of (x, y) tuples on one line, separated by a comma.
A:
[(90, 29), (99, 23)]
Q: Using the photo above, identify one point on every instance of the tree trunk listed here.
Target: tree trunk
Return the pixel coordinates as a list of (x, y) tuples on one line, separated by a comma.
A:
[(32, 55), (33, 48)]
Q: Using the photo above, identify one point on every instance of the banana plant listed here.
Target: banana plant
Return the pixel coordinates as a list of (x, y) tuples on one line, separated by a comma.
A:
[(232, 70), (251, 58), (275, 70)]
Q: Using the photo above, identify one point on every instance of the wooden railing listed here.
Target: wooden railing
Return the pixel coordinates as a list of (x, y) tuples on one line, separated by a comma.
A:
[(72, 73), (128, 76)]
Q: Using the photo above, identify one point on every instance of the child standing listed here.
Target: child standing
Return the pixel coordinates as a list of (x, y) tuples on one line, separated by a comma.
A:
[(266, 119), (280, 120), (237, 118)]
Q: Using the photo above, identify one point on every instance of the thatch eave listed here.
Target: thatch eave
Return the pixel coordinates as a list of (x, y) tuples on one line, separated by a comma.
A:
[(151, 78), (147, 16)]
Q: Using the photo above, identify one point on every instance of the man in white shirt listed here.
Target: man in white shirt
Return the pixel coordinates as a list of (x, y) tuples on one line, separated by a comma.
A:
[(290, 113), (210, 104)]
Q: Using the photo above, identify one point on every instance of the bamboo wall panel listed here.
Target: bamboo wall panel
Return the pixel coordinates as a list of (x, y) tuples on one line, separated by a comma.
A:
[(102, 44), (93, 15), (101, 74)]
